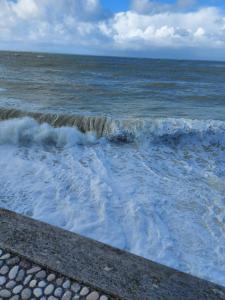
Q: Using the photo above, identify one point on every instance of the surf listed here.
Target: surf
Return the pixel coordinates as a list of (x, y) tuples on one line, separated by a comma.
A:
[(130, 130)]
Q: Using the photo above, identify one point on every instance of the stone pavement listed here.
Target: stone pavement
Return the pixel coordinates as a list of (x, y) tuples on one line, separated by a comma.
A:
[(40, 261), (22, 279)]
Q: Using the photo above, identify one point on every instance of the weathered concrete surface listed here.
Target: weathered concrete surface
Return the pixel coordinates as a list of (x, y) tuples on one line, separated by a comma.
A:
[(114, 271)]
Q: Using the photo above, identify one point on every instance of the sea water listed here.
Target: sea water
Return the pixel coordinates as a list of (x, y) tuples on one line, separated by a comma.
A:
[(130, 152)]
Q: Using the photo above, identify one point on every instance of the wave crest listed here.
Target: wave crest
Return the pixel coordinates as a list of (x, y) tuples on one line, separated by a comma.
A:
[(168, 130), (83, 123), (27, 131)]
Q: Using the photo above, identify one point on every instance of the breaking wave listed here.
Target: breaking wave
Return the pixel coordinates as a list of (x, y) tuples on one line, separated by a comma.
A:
[(154, 187), (57, 129), (26, 131), (84, 124)]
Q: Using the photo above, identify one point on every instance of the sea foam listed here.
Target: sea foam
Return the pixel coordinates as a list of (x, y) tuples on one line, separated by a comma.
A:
[(153, 187)]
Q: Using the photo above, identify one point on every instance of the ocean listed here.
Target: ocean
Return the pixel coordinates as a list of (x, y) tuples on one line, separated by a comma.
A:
[(127, 151)]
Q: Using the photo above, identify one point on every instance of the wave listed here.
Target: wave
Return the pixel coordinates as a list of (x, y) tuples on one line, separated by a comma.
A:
[(167, 130), (27, 131), (83, 123)]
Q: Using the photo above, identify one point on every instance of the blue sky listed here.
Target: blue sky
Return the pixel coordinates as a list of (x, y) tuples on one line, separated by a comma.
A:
[(192, 29), (123, 5), (116, 5)]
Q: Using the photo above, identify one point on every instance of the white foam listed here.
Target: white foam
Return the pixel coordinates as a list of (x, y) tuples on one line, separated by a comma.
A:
[(158, 199), (142, 130), (27, 131)]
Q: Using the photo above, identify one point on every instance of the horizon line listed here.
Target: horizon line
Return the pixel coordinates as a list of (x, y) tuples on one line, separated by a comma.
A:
[(111, 55)]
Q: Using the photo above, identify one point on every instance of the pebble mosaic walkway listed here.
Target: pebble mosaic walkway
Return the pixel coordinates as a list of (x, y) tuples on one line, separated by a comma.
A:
[(21, 279)]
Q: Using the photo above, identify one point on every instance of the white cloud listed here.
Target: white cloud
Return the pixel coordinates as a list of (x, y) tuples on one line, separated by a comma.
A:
[(203, 28), (48, 21), (25, 9), (83, 26), (142, 6)]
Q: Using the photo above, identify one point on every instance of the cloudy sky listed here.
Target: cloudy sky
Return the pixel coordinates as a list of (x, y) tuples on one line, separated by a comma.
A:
[(144, 28)]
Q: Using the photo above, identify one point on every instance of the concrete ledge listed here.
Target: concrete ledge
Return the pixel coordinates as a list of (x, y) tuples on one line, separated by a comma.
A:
[(116, 272)]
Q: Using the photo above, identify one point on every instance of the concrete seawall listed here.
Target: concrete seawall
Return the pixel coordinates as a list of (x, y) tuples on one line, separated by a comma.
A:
[(105, 270)]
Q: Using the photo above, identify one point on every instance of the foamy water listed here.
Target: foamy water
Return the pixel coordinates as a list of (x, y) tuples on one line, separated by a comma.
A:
[(130, 152), (160, 196)]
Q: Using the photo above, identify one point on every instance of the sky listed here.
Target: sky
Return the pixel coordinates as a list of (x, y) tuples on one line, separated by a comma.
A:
[(177, 29)]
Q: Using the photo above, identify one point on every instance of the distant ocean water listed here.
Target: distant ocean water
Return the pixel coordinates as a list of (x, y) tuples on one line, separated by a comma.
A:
[(130, 152)]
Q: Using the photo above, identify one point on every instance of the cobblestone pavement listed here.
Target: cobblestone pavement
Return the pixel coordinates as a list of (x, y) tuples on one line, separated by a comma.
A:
[(21, 279)]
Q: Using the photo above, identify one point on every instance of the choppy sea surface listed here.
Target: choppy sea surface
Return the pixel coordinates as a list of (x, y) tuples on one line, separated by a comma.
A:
[(130, 152)]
